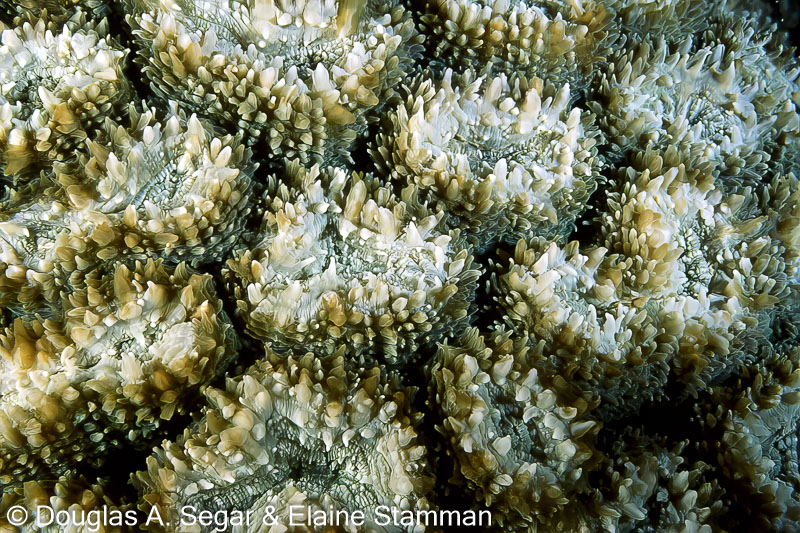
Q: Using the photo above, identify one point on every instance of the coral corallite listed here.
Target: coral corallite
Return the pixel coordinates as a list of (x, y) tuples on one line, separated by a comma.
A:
[(399, 266)]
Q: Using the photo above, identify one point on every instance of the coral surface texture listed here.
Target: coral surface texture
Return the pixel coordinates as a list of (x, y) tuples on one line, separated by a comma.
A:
[(399, 266)]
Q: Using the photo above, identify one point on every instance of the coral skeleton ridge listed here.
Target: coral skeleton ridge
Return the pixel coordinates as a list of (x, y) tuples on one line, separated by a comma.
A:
[(400, 260)]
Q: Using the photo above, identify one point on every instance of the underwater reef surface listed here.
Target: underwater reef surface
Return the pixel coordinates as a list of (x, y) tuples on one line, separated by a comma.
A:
[(399, 265)]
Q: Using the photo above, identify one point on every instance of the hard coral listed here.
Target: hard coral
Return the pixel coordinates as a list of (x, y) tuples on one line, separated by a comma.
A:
[(340, 262), (58, 87), (296, 431), (572, 223), (505, 156), (130, 348), (296, 76), (167, 189)]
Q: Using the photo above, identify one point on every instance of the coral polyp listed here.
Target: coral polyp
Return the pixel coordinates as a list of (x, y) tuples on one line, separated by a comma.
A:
[(513, 37), (57, 89), (507, 157), (129, 345), (153, 189), (341, 263), (519, 441), (296, 431), (399, 265), (296, 76)]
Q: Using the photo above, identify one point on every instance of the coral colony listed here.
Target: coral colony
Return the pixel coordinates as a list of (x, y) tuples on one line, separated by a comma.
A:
[(399, 265)]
